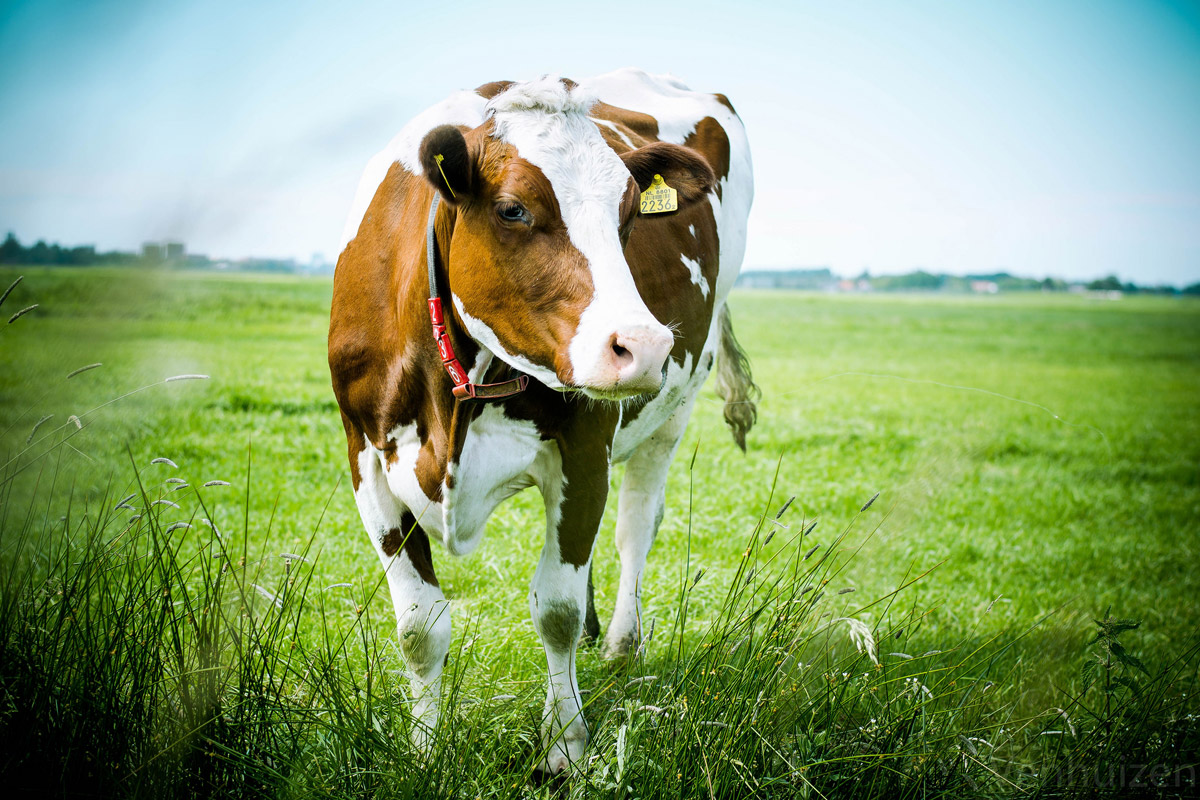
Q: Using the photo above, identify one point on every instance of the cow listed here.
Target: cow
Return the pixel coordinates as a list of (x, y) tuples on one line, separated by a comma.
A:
[(507, 312)]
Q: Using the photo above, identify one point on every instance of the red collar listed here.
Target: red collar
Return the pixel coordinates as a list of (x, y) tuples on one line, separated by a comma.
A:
[(463, 388)]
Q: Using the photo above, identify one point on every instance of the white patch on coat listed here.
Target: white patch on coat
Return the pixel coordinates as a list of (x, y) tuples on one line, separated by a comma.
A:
[(402, 480), (493, 466), (460, 108), (676, 108), (589, 180), (693, 268), (692, 230), (612, 126)]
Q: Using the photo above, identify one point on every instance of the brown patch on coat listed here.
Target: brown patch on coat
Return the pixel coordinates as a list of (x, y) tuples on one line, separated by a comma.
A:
[(723, 100), (415, 542), (585, 446), (642, 129), (355, 445), (382, 358), (527, 282), (710, 139), (490, 90)]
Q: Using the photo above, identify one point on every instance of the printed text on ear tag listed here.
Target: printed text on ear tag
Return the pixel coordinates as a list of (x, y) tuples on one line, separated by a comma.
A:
[(659, 198)]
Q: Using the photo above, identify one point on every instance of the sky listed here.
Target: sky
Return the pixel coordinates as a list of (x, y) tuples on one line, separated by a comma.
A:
[(1051, 137)]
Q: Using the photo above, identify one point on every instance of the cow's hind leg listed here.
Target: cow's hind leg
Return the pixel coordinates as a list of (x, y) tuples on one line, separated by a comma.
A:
[(639, 512), (422, 613), (591, 622)]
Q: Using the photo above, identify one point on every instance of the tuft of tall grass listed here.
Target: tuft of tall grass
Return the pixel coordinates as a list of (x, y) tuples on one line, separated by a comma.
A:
[(139, 658)]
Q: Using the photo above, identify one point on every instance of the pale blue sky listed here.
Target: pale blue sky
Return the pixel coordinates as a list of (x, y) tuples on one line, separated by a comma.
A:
[(1046, 137)]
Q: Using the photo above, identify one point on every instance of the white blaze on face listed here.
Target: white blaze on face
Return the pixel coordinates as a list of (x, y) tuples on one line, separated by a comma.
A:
[(549, 127)]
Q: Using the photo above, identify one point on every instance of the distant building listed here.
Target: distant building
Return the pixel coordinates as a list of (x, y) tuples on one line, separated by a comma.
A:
[(985, 287), (174, 250), (152, 251)]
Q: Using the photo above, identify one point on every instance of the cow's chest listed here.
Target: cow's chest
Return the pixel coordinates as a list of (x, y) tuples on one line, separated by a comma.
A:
[(499, 457), (683, 383)]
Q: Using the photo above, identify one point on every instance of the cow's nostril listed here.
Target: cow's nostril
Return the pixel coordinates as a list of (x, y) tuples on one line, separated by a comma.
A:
[(621, 354)]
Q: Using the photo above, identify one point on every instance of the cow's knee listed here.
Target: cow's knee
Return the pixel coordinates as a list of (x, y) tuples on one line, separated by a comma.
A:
[(424, 632), (559, 623)]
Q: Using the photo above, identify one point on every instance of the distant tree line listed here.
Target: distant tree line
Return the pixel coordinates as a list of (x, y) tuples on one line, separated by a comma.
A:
[(13, 252), (823, 279), (154, 254)]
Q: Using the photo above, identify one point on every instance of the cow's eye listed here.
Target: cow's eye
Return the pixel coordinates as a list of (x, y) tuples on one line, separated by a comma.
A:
[(513, 212)]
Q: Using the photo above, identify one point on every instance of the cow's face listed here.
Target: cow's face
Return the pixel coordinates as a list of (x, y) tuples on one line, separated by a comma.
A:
[(536, 263)]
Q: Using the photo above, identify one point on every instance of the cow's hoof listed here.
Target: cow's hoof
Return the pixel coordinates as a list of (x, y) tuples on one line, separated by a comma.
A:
[(421, 737), (618, 647), (564, 749)]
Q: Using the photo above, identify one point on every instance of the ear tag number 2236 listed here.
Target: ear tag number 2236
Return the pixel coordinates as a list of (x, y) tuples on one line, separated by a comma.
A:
[(659, 198)]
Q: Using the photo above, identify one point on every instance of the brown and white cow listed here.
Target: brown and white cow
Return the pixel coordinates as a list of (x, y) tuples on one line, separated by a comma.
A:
[(550, 279)]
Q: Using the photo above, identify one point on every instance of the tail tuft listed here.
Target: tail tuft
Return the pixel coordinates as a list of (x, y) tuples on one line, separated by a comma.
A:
[(735, 383)]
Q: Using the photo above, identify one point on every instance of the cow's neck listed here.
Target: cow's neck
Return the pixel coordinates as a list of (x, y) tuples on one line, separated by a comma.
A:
[(442, 421)]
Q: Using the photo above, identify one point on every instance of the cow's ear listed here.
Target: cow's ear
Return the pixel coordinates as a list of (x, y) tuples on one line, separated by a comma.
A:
[(682, 168), (447, 163)]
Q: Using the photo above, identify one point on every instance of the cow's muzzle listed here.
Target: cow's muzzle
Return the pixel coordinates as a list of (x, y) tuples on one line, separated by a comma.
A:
[(633, 362)]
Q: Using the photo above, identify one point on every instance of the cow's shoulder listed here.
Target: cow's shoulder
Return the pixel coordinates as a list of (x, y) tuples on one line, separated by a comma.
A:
[(380, 348)]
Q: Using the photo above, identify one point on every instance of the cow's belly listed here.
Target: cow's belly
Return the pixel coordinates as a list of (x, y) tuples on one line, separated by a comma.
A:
[(683, 383)]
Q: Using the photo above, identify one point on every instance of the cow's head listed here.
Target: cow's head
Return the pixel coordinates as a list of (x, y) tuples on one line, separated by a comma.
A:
[(536, 263)]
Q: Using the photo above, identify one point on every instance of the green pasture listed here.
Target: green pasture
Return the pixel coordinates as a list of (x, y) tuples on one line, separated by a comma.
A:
[(1036, 459)]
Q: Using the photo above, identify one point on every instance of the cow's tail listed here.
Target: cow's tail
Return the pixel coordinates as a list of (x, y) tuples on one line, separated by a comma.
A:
[(734, 382)]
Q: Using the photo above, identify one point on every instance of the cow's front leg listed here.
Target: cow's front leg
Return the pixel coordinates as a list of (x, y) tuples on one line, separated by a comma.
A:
[(422, 612), (558, 597), (639, 513), (422, 621)]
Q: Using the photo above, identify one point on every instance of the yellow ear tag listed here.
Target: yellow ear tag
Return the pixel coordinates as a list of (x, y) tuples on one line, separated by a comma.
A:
[(438, 159), (659, 198)]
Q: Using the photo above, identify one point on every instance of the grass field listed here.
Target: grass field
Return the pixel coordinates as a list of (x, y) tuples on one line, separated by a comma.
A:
[(1036, 459)]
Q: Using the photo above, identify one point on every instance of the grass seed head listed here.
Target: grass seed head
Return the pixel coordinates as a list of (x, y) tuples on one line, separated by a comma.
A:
[(83, 369), (21, 313), (861, 637), (11, 286), (39, 424)]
